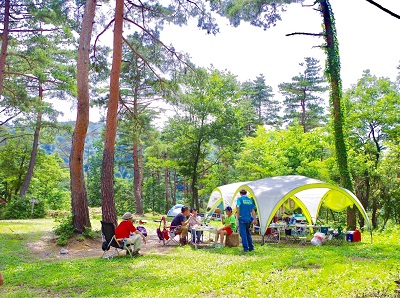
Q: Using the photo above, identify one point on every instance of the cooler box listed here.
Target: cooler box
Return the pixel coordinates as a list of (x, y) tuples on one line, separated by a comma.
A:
[(350, 236), (356, 236), (324, 230)]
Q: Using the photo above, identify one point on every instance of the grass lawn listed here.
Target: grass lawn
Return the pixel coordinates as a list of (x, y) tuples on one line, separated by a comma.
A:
[(273, 270)]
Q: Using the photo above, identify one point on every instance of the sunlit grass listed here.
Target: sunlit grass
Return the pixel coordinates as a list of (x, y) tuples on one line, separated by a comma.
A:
[(273, 270)]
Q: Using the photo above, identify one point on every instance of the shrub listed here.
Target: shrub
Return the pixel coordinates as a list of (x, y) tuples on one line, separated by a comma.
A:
[(65, 230), (21, 208), (89, 233)]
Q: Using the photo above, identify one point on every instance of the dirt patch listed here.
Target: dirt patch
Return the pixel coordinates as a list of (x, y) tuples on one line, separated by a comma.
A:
[(47, 248)]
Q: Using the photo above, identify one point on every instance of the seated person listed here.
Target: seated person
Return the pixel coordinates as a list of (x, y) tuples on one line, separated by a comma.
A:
[(195, 220), (229, 222), (127, 230), (180, 223)]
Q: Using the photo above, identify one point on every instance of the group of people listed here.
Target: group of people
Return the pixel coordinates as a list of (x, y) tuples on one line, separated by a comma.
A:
[(245, 216), (188, 218)]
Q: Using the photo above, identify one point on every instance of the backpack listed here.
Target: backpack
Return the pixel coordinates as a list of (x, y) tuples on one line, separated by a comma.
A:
[(142, 230), (104, 246), (162, 234)]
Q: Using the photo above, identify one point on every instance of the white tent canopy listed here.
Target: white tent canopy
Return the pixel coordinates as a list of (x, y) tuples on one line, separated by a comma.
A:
[(309, 194), (222, 194)]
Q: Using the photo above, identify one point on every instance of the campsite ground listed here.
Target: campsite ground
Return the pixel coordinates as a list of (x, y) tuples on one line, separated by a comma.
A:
[(33, 267)]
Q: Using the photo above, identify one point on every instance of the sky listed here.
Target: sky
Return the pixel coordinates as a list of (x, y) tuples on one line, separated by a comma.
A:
[(368, 39)]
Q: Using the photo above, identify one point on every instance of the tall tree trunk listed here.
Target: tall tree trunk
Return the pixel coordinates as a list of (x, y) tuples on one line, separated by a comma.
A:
[(32, 160), (195, 192), (107, 170), (166, 179), (185, 193), (172, 185), (333, 71), (4, 42), (137, 176), (79, 202), (303, 112), (137, 160)]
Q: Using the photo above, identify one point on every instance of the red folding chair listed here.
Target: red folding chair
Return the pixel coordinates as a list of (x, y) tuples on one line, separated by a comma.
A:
[(167, 234)]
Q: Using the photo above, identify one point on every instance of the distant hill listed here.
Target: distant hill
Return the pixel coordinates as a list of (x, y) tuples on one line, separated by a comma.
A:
[(63, 142)]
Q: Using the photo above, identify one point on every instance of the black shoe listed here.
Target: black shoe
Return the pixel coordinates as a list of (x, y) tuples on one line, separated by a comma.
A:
[(137, 254)]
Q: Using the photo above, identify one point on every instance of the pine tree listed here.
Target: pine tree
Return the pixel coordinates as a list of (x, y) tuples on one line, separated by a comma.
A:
[(261, 97), (302, 101)]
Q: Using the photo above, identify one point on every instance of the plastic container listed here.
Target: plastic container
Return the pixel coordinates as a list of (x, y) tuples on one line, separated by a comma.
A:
[(350, 236), (324, 230), (356, 236)]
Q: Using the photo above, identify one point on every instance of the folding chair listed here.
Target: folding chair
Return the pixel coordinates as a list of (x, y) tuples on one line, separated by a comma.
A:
[(109, 240), (338, 236), (168, 233), (272, 235)]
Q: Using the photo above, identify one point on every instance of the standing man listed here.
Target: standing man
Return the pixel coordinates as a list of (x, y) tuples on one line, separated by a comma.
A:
[(127, 230), (181, 223), (246, 214)]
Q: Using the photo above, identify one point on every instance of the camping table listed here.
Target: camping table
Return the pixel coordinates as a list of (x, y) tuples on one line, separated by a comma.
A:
[(204, 229), (279, 228)]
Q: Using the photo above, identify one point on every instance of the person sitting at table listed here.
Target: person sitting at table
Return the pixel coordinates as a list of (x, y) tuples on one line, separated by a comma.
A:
[(229, 222), (180, 223), (195, 220)]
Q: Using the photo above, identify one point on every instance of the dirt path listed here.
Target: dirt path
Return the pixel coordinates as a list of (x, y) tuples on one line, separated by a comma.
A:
[(47, 248)]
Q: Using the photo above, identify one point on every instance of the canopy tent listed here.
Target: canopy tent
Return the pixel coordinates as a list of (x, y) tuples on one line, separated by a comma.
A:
[(175, 210), (221, 196), (309, 194)]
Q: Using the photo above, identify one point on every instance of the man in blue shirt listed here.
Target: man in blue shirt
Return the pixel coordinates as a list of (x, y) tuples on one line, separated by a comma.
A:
[(246, 215), (180, 223)]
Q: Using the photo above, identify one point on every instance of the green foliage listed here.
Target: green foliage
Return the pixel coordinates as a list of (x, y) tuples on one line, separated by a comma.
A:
[(49, 185), (89, 233), (124, 199), (214, 116), (302, 96), (262, 14), (64, 230), (287, 152), (261, 97), (93, 185), (21, 208), (372, 106)]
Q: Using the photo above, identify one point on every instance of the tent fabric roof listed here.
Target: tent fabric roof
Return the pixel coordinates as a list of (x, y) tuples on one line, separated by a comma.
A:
[(175, 210), (222, 194), (308, 193)]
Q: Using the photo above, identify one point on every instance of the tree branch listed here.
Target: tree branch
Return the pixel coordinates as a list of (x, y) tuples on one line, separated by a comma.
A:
[(384, 9), (159, 41), (143, 59), (305, 33), (98, 36)]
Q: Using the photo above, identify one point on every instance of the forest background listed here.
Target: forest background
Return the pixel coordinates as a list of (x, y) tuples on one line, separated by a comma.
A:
[(221, 130)]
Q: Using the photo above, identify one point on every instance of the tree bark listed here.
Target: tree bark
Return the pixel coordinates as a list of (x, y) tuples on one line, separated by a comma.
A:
[(32, 160), (79, 202), (303, 111), (336, 97), (166, 176), (107, 171), (4, 42), (137, 176), (137, 160)]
